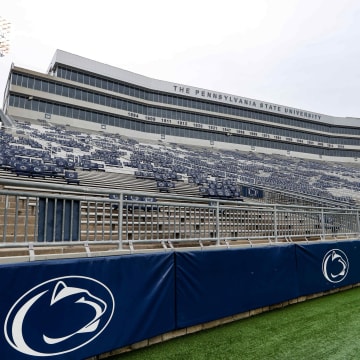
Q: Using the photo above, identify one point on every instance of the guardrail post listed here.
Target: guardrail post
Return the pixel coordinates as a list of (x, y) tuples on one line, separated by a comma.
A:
[(120, 220), (217, 223), (322, 235), (275, 224)]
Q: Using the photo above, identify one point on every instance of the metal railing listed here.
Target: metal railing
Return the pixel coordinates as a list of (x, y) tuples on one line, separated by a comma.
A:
[(56, 215)]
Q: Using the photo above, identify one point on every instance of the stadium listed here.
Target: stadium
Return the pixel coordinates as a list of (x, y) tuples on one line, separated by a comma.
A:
[(110, 178)]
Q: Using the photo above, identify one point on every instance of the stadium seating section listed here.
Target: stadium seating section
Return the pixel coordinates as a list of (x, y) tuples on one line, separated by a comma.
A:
[(44, 152)]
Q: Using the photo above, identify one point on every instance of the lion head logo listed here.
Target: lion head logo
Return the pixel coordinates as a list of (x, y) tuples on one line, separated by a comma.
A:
[(59, 316), (335, 265)]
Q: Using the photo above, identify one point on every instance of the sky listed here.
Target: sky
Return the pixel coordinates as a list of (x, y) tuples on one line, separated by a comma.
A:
[(298, 53)]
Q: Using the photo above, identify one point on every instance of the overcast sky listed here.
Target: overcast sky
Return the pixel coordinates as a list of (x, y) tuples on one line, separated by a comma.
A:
[(298, 53)]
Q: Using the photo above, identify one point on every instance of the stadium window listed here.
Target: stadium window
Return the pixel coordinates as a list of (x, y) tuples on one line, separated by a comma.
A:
[(65, 91), (73, 76), (45, 86), (92, 81), (59, 72), (76, 113), (87, 115), (27, 82), (150, 111), (58, 89), (52, 87), (55, 109), (121, 104), (14, 101), (82, 114), (102, 83), (86, 79), (14, 79), (69, 112), (42, 107), (62, 111), (126, 90), (119, 88), (23, 81), (93, 117), (107, 101), (30, 104), (78, 94), (116, 87), (67, 74), (102, 99), (80, 78)]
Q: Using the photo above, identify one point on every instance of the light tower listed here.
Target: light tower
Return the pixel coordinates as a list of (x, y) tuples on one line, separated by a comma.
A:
[(4, 36)]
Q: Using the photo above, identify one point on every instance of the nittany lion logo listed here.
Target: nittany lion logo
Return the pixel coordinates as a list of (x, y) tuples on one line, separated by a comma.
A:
[(59, 316), (335, 265)]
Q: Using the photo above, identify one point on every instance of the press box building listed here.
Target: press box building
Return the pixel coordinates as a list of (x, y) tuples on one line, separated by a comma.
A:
[(83, 93)]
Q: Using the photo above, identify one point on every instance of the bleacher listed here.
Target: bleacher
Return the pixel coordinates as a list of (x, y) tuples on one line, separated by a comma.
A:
[(198, 194), (41, 150)]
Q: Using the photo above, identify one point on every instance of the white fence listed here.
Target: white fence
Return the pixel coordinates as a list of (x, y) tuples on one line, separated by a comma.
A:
[(68, 216)]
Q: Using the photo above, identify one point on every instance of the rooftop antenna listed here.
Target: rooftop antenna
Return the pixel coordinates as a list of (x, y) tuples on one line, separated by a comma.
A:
[(4, 37)]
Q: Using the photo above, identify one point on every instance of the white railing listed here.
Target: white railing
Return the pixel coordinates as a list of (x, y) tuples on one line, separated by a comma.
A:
[(68, 216)]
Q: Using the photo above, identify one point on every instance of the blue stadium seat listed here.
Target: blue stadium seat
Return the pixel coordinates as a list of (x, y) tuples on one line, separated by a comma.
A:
[(71, 177)]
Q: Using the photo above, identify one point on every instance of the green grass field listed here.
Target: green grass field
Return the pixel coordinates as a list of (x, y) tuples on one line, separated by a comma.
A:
[(323, 328)]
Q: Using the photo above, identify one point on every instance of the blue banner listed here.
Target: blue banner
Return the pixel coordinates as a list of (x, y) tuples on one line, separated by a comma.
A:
[(216, 284), (74, 309), (60, 220), (326, 266), (253, 192)]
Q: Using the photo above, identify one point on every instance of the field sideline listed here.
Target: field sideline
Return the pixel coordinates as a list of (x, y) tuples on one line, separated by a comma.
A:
[(322, 328)]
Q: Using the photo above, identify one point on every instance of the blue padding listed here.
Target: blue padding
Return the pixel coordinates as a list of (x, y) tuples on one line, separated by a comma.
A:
[(327, 266), (216, 284), (60, 220), (252, 192), (74, 309)]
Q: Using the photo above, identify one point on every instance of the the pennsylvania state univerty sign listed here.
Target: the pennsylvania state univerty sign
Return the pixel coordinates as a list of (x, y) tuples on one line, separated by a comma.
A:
[(244, 102)]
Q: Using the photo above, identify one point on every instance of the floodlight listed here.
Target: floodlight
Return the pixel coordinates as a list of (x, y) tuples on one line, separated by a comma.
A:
[(4, 37)]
